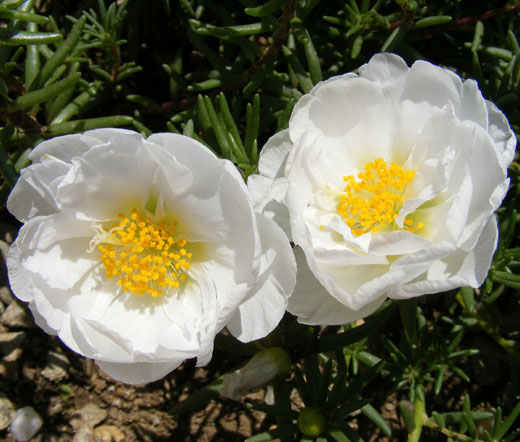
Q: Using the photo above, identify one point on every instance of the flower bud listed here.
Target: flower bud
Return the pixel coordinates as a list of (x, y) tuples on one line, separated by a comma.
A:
[(311, 421), (266, 367)]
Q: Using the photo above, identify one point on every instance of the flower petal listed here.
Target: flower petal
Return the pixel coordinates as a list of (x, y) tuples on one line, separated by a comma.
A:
[(263, 310), (311, 303), (138, 372)]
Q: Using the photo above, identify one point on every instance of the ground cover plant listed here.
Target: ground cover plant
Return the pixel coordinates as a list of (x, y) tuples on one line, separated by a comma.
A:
[(231, 75)]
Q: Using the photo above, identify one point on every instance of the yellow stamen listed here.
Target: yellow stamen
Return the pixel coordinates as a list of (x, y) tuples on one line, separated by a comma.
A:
[(144, 256), (372, 202)]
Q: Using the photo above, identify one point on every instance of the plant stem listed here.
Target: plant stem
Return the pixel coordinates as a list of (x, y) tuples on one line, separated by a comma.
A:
[(447, 432), (419, 415)]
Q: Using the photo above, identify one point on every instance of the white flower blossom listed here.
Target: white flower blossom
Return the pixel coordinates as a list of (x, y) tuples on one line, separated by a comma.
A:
[(136, 252), (388, 182)]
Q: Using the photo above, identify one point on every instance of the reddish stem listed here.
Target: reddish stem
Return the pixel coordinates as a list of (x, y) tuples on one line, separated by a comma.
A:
[(467, 20)]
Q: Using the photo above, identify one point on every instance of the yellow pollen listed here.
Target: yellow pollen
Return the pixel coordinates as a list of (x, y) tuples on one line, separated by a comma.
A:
[(145, 257), (372, 202)]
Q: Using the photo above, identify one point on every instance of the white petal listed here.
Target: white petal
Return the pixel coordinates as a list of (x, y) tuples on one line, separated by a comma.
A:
[(98, 184), (473, 105), (263, 310), (325, 114), (312, 304), (384, 68), (215, 205), (35, 191), (501, 133), (55, 242), (138, 372), (230, 269), (267, 189), (473, 266), (274, 155), (437, 86), (63, 148)]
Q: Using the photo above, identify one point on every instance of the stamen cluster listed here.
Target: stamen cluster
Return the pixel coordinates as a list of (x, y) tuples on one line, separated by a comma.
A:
[(373, 202), (145, 256)]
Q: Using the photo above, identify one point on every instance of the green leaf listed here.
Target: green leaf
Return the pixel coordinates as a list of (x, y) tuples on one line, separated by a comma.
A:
[(374, 415), (395, 38), (211, 83), (22, 15), (252, 124), (230, 124), (434, 20), (304, 388), (32, 59), (455, 417), (341, 432), (265, 9), (477, 36), (61, 53), (324, 383), (353, 405), (78, 104), (44, 94), (468, 297), (303, 77), (509, 279), (277, 433), (188, 130), (439, 380), (218, 129), (504, 427), (231, 31), (283, 119), (304, 38), (8, 38), (460, 373), (339, 436), (88, 124), (406, 414)]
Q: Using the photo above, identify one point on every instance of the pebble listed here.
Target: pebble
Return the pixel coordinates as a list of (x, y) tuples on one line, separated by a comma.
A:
[(7, 412), (56, 367), (6, 296), (88, 416), (25, 424), (84, 434), (109, 433), (13, 356), (10, 341), (16, 316)]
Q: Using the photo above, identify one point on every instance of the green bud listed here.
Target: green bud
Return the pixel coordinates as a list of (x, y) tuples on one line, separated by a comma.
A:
[(311, 421), (268, 366)]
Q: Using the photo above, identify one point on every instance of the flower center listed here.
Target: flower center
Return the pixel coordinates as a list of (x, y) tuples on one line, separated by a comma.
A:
[(144, 256), (372, 202)]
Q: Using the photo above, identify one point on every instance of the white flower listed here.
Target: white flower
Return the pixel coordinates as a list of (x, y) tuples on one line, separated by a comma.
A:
[(388, 182), (137, 252)]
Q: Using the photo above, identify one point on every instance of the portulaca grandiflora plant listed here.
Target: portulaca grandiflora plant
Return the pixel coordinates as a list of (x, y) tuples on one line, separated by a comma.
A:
[(137, 252), (387, 181), (334, 236)]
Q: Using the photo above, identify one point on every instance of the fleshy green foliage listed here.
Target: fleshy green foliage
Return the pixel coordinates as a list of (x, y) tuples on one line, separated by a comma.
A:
[(228, 74)]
